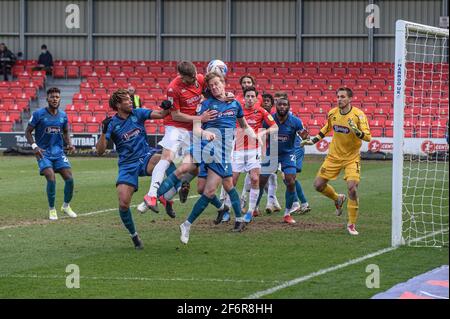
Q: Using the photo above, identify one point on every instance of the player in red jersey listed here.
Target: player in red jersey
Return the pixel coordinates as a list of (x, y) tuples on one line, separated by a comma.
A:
[(185, 93), (247, 152), (248, 81)]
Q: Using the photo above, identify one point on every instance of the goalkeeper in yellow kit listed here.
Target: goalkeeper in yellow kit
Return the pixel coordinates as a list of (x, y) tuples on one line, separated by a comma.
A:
[(350, 129)]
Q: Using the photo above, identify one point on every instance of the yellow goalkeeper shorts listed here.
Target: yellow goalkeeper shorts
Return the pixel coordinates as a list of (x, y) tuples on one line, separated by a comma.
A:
[(331, 168)]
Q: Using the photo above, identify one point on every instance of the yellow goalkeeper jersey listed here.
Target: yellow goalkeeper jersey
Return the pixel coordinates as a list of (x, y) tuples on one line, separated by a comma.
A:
[(345, 145)]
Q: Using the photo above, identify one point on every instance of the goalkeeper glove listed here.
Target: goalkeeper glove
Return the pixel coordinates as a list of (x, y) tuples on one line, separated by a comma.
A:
[(166, 104), (310, 141), (354, 128), (105, 124)]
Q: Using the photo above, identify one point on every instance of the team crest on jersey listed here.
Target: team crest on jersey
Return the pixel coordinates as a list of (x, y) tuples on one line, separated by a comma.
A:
[(61, 120), (341, 129), (133, 119)]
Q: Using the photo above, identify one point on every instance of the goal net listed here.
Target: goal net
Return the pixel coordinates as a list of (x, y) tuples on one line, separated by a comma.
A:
[(420, 163)]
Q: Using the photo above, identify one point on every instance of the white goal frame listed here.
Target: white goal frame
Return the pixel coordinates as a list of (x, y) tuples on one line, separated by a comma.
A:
[(401, 29)]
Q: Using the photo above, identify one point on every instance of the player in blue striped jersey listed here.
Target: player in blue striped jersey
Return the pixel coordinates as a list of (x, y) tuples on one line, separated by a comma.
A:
[(285, 154), (51, 133), (212, 147), (136, 158)]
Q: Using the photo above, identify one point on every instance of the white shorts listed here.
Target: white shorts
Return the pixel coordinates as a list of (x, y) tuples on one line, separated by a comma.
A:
[(178, 140), (245, 161)]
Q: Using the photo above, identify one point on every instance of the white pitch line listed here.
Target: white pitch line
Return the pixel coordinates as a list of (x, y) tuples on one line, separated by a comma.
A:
[(79, 215), (35, 276), (433, 296), (298, 280)]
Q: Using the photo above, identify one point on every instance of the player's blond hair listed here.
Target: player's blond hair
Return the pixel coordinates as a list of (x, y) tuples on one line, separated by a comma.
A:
[(211, 75)]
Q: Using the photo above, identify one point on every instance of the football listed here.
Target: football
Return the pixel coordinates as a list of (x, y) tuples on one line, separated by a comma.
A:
[(217, 66)]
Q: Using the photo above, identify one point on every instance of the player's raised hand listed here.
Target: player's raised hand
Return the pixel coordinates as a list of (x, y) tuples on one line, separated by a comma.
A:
[(354, 128), (208, 116), (105, 124), (166, 105)]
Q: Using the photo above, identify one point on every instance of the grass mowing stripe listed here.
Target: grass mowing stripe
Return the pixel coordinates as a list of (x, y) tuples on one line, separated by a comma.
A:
[(295, 281), (35, 276), (79, 215)]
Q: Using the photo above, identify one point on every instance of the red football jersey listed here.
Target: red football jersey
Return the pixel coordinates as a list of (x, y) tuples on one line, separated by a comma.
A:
[(254, 117), (185, 98)]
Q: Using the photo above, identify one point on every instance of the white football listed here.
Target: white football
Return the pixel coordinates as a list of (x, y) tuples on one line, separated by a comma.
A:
[(217, 66)]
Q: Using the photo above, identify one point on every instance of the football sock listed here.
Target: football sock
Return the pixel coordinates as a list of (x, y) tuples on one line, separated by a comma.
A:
[(169, 182), (127, 220), (68, 190), (198, 208), (272, 188), (329, 192), (170, 193), (289, 196), (223, 193), (188, 177), (235, 202), (51, 193), (216, 202), (261, 192), (157, 176), (254, 194), (247, 183), (227, 200), (300, 194), (172, 168), (352, 207)]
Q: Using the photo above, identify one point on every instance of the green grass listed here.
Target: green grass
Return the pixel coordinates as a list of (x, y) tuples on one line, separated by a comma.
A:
[(215, 264)]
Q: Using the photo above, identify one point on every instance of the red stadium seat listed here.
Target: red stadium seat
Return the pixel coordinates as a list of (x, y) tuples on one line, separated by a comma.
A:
[(59, 71), (439, 129), (78, 127), (6, 126), (376, 131)]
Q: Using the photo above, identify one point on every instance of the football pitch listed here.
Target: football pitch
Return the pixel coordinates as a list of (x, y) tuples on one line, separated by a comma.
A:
[(315, 258)]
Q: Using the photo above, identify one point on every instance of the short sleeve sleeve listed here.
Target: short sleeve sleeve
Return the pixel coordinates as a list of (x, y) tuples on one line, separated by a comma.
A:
[(34, 120)]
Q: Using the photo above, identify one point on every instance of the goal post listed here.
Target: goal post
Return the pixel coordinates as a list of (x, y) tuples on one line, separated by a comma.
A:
[(420, 178)]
